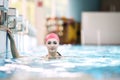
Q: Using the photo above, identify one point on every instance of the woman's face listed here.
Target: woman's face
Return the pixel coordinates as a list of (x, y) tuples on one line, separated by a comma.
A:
[(52, 45)]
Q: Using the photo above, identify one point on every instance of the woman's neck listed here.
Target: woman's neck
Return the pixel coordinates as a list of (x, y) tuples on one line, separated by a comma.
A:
[(53, 54)]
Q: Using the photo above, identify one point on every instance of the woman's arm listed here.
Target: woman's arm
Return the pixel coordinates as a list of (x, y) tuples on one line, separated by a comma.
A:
[(14, 50)]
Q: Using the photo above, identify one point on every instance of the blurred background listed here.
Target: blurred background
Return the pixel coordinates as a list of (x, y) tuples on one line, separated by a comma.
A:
[(78, 22), (95, 23)]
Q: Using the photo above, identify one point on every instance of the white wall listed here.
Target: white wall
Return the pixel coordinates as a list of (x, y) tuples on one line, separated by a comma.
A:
[(40, 21), (100, 28)]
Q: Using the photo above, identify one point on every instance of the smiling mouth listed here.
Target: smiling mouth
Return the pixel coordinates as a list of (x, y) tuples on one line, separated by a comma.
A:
[(52, 48)]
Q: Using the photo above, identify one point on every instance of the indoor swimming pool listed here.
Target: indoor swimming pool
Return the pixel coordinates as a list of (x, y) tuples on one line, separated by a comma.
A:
[(77, 63)]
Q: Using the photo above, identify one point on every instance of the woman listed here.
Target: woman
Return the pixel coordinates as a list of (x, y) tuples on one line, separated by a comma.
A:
[(52, 42)]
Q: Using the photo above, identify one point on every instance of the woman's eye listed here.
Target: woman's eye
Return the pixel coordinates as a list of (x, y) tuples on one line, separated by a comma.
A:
[(49, 42), (54, 42)]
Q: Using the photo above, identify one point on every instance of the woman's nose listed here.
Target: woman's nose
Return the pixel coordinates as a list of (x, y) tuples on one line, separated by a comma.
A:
[(52, 44)]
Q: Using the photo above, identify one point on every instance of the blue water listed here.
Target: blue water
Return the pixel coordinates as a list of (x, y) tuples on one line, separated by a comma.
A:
[(99, 62)]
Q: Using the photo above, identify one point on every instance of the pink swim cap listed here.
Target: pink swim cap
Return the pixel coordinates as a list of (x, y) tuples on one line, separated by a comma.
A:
[(52, 35)]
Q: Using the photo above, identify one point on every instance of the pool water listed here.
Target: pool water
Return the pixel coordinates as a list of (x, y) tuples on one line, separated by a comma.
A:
[(77, 63)]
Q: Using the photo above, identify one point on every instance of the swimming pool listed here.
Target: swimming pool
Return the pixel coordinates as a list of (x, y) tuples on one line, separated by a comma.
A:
[(78, 63)]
